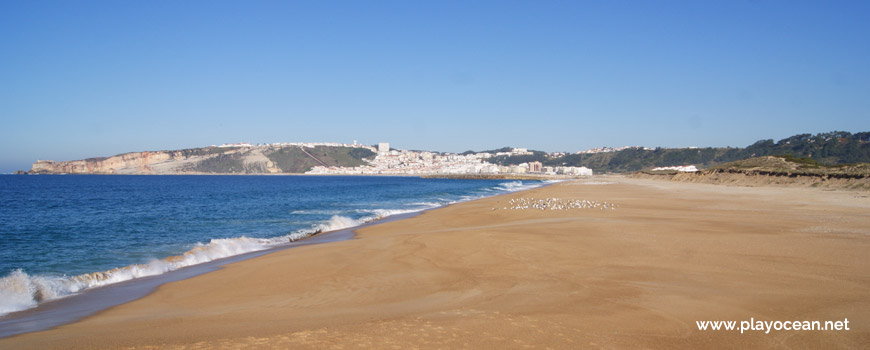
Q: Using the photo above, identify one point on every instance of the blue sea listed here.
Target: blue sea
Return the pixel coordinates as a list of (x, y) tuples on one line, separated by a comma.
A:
[(64, 234)]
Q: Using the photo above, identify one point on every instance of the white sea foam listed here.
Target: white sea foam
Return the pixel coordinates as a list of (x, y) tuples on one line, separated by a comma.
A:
[(511, 185), (337, 223), (316, 212), (514, 186), (425, 204), (382, 213), (20, 291)]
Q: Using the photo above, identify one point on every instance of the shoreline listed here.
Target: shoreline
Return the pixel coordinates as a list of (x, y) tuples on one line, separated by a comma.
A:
[(74, 307), (531, 177), (69, 309), (475, 276)]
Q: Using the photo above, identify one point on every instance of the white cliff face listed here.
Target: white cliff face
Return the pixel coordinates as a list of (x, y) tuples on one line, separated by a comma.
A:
[(268, 159), (256, 159), (161, 162)]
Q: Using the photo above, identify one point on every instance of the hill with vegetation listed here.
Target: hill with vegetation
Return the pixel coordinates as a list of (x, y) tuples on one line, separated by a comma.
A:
[(299, 160), (776, 170), (824, 149), (838, 147)]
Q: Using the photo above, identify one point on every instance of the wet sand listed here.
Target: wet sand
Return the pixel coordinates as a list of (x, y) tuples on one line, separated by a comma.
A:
[(468, 276)]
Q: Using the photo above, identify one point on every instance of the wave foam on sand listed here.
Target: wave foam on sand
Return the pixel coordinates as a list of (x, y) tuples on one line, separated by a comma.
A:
[(21, 291)]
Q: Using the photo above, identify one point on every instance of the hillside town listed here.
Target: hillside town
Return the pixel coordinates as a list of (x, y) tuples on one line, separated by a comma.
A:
[(403, 162)]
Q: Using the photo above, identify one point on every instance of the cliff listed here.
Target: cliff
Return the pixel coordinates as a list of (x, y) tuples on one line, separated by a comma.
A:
[(212, 160)]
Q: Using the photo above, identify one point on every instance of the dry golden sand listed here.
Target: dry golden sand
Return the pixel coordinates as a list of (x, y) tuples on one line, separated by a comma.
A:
[(467, 276)]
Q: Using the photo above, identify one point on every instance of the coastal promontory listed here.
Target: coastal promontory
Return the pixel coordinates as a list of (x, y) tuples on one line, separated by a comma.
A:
[(225, 159)]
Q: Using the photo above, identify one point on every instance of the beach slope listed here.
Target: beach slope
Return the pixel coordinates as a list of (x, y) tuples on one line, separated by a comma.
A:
[(476, 275)]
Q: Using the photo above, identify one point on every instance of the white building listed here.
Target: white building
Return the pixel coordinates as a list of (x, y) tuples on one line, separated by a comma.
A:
[(680, 168), (384, 147), (575, 171)]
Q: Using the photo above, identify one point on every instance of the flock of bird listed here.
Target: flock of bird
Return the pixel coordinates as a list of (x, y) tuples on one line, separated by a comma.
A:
[(555, 204)]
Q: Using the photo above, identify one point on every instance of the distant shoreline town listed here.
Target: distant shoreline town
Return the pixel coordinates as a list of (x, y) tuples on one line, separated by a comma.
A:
[(323, 158), (333, 158), (404, 162)]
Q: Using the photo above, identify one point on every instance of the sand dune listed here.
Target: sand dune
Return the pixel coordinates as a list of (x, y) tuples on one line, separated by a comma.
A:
[(468, 276)]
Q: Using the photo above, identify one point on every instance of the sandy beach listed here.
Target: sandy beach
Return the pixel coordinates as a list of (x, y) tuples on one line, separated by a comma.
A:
[(477, 275)]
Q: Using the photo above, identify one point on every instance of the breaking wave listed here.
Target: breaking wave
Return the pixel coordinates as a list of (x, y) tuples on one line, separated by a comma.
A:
[(514, 186), (20, 291)]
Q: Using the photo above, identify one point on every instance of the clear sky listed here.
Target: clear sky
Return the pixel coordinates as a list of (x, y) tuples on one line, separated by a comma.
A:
[(97, 78)]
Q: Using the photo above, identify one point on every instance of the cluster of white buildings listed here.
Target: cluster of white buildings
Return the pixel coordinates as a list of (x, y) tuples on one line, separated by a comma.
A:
[(296, 144), (396, 162), (391, 161), (315, 144), (402, 162), (568, 170), (680, 168), (232, 145), (610, 149), (513, 152)]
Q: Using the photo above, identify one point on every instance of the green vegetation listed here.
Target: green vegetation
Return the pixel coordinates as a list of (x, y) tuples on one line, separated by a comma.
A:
[(837, 147), (512, 160), (294, 160), (203, 151), (790, 166), (340, 156), (361, 153), (803, 161), (288, 159), (776, 170), (221, 164), (503, 149), (629, 160), (829, 149)]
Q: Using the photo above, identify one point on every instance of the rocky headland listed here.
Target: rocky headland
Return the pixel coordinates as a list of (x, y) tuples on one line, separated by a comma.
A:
[(211, 160)]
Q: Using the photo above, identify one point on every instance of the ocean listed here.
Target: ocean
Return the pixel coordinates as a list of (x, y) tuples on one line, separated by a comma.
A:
[(65, 234)]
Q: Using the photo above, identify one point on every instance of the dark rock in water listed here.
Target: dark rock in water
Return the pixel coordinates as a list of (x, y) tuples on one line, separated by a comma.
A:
[(20, 172)]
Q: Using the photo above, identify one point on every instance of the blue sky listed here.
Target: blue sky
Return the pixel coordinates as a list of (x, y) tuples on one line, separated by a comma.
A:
[(96, 78)]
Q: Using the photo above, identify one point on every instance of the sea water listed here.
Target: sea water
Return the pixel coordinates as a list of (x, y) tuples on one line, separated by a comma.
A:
[(63, 234)]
